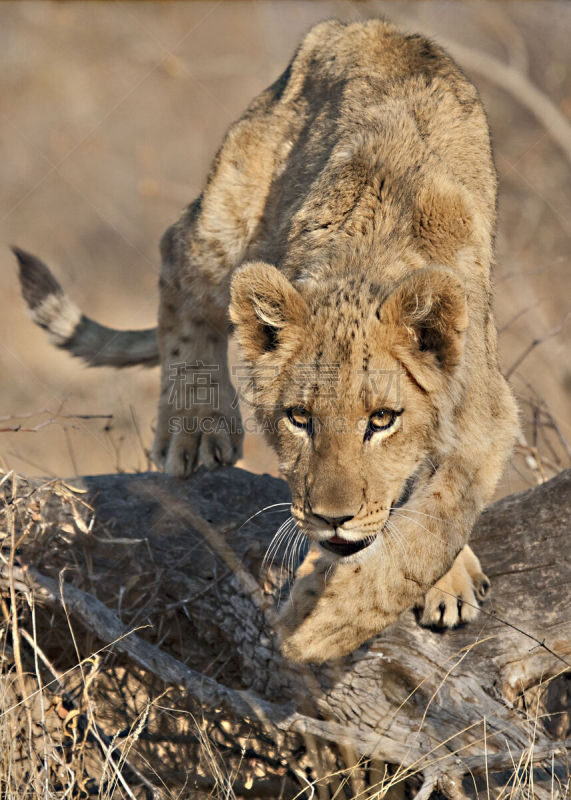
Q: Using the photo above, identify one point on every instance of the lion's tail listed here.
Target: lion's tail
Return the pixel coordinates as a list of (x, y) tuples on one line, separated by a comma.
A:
[(69, 329)]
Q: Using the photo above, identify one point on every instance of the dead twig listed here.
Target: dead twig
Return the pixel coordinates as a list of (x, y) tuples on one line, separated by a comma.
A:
[(108, 627), (514, 82), (535, 343)]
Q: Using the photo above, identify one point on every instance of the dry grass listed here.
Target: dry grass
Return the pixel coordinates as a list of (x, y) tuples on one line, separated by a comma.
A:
[(53, 744), (78, 721)]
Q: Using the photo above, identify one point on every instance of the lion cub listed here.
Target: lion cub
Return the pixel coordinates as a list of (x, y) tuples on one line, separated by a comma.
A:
[(346, 233)]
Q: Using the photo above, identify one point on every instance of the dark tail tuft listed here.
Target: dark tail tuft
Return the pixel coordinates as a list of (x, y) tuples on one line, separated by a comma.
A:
[(36, 280), (71, 330)]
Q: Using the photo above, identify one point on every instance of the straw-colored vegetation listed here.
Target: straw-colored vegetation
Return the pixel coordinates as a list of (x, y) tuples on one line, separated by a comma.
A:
[(146, 666)]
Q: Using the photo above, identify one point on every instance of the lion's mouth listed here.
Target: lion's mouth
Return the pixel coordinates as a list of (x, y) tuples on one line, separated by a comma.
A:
[(343, 547)]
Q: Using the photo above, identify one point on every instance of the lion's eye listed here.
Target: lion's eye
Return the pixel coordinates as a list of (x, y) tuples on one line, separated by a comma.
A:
[(301, 418), (381, 420)]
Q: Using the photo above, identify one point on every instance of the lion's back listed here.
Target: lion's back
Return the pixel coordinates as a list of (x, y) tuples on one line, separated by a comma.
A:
[(359, 105)]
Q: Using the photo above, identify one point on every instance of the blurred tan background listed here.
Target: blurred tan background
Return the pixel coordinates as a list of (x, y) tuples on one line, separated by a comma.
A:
[(111, 113)]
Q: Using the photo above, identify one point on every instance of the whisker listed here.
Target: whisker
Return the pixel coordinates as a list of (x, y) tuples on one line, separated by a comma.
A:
[(281, 578), (287, 561), (413, 511), (292, 558), (289, 528), (292, 542), (385, 551), (432, 464), (388, 554), (329, 568), (287, 554), (299, 548), (270, 556), (400, 540), (424, 528), (277, 540), (261, 511)]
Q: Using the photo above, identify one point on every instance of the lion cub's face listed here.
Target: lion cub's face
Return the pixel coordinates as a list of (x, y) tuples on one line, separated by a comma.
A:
[(350, 379)]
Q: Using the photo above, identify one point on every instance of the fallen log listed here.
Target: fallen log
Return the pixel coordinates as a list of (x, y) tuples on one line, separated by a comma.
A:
[(165, 578)]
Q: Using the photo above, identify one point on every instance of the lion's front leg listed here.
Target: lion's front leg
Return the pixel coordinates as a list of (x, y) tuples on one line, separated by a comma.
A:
[(331, 609), (198, 418)]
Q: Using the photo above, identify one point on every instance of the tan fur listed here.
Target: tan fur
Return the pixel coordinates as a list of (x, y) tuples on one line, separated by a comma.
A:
[(350, 213), (347, 226)]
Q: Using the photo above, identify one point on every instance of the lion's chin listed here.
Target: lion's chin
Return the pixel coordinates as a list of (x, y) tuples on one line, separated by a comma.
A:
[(343, 548)]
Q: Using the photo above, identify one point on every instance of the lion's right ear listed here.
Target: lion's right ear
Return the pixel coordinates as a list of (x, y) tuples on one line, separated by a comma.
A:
[(267, 310)]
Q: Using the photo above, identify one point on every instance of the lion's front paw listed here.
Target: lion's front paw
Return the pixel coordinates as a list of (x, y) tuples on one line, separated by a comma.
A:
[(314, 625), (183, 442), (454, 599)]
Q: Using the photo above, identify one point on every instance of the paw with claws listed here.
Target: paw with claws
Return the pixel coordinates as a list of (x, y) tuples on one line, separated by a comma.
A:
[(188, 438), (199, 419), (455, 598)]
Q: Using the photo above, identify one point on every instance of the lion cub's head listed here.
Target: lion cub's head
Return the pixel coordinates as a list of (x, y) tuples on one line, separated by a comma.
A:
[(352, 381)]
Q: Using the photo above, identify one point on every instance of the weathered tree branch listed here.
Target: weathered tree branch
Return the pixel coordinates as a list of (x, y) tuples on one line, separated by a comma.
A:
[(167, 574)]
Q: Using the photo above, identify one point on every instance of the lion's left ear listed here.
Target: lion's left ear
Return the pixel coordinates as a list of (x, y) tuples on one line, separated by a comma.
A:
[(269, 313), (428, 316)]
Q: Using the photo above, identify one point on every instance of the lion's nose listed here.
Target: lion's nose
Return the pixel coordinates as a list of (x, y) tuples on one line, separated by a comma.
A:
[(335, 522)]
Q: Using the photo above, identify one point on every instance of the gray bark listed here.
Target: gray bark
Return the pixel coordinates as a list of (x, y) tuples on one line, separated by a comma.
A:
[(185, 559)]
